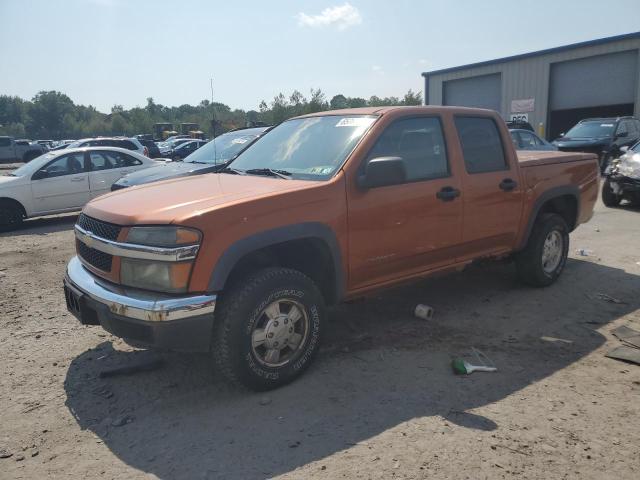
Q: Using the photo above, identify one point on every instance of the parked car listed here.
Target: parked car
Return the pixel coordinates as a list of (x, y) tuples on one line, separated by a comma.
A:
[(527, 140), (152, 149), (177, 137), (183, 150), (520, 125), (325, 207), (167, 148), (132, 144), (21, 150), (63, 181), (602, 136), (209, 158), (45, 144), (622, 178)]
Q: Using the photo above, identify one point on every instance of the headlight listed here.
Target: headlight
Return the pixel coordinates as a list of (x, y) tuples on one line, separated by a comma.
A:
[(168, 236), (167, 277)]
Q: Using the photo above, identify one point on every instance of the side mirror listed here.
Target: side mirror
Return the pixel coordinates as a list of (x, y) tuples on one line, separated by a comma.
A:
[(40, 174), (622, 135), (383, 171)]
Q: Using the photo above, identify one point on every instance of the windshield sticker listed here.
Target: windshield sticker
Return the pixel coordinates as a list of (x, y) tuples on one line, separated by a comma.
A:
[(239, 140), (606, 124), (355, 122)]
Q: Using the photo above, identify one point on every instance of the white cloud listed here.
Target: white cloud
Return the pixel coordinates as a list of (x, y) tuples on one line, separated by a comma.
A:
[(378, 69), (341, 16)]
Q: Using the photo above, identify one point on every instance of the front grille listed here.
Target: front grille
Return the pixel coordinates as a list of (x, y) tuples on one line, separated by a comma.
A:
[(96, 258), (99, 228)]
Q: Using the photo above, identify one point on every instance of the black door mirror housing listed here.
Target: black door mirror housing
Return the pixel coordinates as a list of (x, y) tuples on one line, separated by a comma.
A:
[(622, 135), (383, 171), (40, 174)]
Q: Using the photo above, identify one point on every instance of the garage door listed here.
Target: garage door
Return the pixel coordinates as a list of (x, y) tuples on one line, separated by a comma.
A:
[(594, 81), (600, 86), (482, 92)]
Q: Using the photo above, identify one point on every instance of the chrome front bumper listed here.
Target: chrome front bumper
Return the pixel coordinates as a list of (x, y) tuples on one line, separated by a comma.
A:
[(138, 304), (154, 319)]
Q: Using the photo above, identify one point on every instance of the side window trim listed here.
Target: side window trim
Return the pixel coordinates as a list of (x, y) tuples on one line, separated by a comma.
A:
[(437, 117), (505, 157)]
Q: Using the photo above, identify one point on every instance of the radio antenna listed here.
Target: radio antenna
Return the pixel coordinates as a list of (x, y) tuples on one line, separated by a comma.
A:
[(213, 126)]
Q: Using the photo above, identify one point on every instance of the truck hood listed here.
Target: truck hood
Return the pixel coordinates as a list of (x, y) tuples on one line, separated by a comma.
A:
[(164, 171), (176, 200)]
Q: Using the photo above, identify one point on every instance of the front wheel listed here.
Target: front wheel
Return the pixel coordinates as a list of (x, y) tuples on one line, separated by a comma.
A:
[(10, 216), (609, 198), (267, 328), (543, 259)]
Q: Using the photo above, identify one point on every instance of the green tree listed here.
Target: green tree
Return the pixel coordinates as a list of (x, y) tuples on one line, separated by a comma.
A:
[(411, 98), (339, 101)]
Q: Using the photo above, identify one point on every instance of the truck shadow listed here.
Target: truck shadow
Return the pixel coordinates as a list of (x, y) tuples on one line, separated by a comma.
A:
[(380, 367)]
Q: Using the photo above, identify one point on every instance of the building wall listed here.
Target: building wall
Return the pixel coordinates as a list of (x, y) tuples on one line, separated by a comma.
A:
[(529, 77)]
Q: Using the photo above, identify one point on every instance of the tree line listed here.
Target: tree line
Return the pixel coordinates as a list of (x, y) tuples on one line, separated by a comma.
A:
[(53, 115)]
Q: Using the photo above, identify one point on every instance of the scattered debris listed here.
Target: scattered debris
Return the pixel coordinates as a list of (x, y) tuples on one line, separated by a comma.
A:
[(462, 367), (35, 452), (583, 252), (147, 366), (628, 335), (424, 312), (19, 457), (5, 452), (295, 444), (265, 401), (610, 299), (624, 353)]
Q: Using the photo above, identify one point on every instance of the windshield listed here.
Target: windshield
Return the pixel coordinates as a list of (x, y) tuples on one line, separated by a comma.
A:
[(308, 148), (592, 130), (33, 165), (222, 148)]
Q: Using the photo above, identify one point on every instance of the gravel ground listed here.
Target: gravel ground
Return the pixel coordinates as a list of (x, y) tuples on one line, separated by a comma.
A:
[(380, 401)]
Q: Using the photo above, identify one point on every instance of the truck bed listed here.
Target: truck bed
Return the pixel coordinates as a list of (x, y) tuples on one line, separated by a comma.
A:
[(531, 158)]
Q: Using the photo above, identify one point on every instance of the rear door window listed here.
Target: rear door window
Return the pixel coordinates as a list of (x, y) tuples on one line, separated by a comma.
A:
[(100, 161), (481, 144), (5, 142)]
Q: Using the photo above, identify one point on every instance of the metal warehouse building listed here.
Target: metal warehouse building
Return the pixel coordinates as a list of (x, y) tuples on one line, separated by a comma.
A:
[(552, 89)]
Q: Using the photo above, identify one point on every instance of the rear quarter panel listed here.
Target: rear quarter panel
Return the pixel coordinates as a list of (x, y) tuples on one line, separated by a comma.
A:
[(540, 178)]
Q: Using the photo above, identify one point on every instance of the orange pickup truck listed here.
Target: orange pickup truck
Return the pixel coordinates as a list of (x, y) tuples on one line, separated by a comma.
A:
[(323, 208)]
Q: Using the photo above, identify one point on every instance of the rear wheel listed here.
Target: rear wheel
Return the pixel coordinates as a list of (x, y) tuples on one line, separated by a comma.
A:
[(11, 215), (544, 257), (609, 198), (267, 328)]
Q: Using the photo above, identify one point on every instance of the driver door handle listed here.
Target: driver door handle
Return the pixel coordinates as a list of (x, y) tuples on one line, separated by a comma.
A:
[(78, 179), (508, 184), (448, 194)]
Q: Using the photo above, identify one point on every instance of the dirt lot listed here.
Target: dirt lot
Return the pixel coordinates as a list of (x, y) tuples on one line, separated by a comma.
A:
[(380, 402)]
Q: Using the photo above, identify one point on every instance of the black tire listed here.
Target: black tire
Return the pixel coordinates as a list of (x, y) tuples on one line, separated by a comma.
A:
[(242, 309), (609, 198), (11, 215), (529, 262)]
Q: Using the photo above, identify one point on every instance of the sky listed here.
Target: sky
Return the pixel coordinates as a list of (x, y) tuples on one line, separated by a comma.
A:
[(107, 52)]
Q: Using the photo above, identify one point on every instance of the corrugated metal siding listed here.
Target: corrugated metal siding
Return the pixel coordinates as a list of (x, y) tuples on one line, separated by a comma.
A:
[(529, 77), (482, 92)]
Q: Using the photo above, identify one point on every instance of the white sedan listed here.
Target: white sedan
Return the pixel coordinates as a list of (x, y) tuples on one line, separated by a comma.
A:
[(63, 181)]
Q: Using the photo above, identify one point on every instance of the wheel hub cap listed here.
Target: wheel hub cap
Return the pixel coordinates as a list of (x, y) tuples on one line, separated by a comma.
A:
[(552, 251), (279, 333)]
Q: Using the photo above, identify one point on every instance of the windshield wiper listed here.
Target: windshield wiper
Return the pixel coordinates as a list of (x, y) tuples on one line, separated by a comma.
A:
[(232, 170), (270, 171)]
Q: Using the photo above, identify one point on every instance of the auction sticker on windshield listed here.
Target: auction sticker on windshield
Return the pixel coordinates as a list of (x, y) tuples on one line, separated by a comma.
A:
[(355, 122)]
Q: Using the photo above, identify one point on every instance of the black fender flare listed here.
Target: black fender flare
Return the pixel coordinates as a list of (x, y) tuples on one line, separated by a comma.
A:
[(298, 231), (550, 194)]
